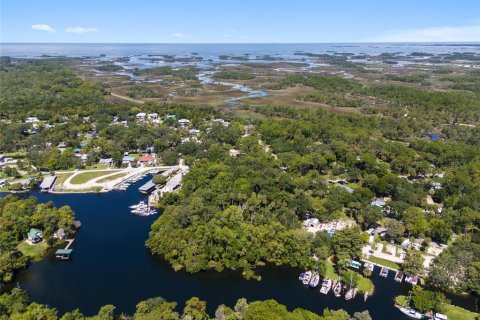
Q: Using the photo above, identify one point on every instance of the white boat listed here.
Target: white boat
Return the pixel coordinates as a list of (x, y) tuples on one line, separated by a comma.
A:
[(439, 316), (301, 276), (326, 286), (411, 313), (384, 272), (306, 277), (141, 204), (349, 294), (315, 280), (337, 289), (369, 266)]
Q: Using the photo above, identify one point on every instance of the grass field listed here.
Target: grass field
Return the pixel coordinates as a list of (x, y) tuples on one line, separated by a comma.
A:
[(34, 251), (361, 283), (401, 300), (457, 313), (383, 262), (330, 273), (87, 176), (113, 177), (61, 178)]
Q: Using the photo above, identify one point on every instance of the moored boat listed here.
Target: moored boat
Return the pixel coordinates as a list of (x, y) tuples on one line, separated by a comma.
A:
[(337, 289), (326, 286), (384, 272), (315, 280), (307, 277), (399, 276), (349, 294), (410, 312)]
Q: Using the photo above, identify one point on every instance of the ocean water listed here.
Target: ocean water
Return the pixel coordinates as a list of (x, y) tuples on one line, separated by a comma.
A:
[(29, 50)]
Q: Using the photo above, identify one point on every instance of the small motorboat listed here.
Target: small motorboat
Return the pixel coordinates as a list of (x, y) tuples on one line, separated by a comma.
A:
[(315, 280), (399, 276), (301, 276), (384, 272)]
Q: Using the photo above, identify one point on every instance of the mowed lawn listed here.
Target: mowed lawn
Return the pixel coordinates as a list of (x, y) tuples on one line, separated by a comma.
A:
[(87, 176), (110, 178), (383, 262), (34, 251), (457, 313)]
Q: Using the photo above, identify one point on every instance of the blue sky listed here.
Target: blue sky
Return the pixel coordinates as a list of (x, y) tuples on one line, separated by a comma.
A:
[(224, 21)]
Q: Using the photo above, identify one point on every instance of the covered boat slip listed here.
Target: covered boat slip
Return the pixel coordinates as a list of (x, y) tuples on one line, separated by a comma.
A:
[(47, 183), (63, 254), (147, 187)]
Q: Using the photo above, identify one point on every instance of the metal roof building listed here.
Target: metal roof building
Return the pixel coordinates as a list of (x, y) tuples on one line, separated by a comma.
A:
[(147, 187), (47, 183)]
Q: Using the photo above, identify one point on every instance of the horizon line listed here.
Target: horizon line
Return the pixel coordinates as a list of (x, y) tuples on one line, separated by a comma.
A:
[(183, 43)]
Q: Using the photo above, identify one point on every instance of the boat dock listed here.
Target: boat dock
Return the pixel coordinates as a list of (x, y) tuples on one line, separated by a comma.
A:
[(65, 253)]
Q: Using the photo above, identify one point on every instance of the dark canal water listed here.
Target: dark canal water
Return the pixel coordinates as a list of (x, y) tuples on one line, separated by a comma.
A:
[(112, 266)]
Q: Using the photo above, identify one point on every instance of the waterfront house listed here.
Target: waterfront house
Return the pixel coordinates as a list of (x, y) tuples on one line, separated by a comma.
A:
[(34, 236), (3, 183), (59, 234)]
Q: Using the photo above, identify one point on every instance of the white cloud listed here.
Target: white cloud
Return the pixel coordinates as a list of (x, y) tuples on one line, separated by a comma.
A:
[(182, 35), (80, 30), (432, 34), (43, 27)]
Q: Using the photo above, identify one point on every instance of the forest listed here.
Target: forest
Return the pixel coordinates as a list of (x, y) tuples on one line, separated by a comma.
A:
[(241, 212), (17, 216), (16, 305)]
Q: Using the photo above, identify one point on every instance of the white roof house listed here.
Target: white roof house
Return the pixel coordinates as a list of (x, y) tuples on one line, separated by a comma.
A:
[(153, 116), (141, 116), (194, 132), (378, 202), (184, 122), (31, 120)]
